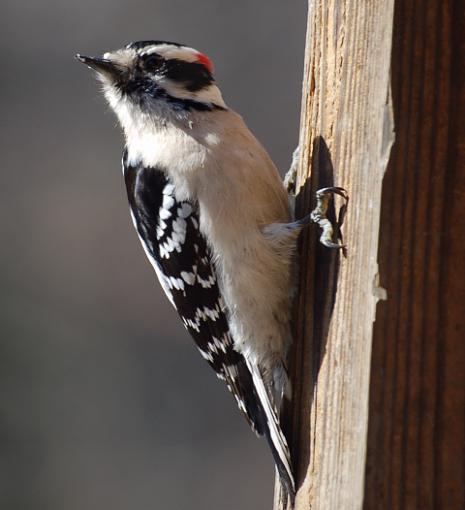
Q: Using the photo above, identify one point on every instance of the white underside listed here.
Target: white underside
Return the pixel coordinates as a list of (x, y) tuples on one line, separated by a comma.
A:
[(214, 160)]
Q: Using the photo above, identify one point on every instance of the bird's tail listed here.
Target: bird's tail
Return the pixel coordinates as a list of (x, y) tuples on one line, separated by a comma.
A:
[(268, 419)]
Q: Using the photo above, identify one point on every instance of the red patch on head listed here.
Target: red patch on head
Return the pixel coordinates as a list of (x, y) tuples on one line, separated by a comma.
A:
[(205, 61)]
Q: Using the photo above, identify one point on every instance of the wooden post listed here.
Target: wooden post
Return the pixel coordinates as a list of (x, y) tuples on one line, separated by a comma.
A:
[(416, 440), (346, 137)]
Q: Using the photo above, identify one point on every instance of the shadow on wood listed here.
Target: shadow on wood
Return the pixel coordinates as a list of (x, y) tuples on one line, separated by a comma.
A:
[(310, 332)]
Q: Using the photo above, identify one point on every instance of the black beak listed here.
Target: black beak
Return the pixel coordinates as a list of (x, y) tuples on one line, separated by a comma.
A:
[(101, 65)]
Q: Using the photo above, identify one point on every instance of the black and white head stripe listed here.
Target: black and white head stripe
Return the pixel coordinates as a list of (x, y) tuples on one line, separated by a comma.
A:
[(174, 74), (193, 75), (169, 231), (140, 45)]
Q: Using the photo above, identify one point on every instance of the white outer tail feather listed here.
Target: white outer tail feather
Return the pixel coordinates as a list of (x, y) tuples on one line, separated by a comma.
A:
[(272, 418)]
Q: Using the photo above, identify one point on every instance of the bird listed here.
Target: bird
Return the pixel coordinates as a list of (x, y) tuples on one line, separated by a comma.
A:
[(214, 220)]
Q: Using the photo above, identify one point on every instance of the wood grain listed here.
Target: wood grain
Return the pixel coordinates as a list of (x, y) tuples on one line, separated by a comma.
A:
[(346, 136), (416, 441)]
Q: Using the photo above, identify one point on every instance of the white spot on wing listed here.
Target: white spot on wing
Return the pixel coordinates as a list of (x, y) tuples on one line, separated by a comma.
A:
[(206, 284), (164, 213), (185, 210), (201, 315), (206, 355), (189, 277), (161, 277), (168, 189), (217, 345)]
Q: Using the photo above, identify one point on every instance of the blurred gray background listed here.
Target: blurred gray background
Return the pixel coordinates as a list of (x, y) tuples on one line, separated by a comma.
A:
[(104, 401)]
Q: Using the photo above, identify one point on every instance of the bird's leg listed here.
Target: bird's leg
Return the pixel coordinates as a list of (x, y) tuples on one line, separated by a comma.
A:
[(291, 176), (318, 216)]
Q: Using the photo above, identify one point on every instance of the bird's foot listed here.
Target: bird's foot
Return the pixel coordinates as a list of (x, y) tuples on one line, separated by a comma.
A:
[(330, 232), (318, 216), (291, 177)]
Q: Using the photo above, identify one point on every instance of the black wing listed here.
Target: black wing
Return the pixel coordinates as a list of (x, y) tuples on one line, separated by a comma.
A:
[(169, 232)]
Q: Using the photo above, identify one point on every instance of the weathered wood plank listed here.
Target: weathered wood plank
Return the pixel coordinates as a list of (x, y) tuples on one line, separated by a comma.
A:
[(346, 136)]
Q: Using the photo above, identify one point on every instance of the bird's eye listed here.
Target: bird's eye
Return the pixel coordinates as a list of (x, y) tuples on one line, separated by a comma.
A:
[(152, 62)]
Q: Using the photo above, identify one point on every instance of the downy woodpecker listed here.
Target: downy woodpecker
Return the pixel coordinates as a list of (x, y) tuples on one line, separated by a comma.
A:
[(214, 220)]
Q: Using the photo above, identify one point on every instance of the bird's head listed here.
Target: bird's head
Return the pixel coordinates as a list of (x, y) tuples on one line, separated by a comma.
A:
[(156, 78)]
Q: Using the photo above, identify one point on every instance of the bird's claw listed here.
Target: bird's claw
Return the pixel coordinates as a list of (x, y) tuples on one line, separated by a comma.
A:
[(290, 178), (318, 216)]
